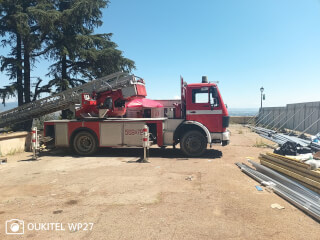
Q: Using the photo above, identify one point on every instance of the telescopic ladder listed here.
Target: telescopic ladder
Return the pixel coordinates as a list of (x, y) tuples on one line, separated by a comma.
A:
[(65, 99)]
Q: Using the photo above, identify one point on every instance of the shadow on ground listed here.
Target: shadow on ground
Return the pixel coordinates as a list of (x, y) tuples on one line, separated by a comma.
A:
[(136, 152)]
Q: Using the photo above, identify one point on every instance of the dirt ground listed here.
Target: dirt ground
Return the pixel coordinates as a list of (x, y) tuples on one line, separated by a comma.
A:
[(172, 197)]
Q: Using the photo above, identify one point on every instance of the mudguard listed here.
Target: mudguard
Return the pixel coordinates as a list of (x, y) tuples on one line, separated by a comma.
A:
[(203, 127)]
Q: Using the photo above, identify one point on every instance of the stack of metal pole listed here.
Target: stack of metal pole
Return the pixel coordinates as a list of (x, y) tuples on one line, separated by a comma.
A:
[(300, 196), (281, 138), (315, 146)]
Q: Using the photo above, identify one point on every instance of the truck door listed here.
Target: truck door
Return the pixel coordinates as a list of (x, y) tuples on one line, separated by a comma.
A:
[(203, 105)]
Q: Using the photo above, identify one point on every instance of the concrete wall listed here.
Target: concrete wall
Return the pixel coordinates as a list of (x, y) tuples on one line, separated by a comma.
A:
[(300, 117), (240, 119), (12, 143)]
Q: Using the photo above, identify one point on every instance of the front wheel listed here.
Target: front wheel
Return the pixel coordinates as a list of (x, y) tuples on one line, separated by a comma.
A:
[(84, 143), (193, 144)]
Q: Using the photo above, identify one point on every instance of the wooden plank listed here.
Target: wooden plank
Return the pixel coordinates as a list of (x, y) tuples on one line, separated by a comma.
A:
[(293, 166), (292, 174), (302, 171), (289, 160)]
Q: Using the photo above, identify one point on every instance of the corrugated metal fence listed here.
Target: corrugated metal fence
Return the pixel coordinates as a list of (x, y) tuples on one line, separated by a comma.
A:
[(300, 117)]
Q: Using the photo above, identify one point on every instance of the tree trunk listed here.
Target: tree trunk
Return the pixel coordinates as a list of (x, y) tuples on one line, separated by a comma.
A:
[(23, 125), (27, 82), (64, 72), (19, 71), (64, 113), (26, 68)]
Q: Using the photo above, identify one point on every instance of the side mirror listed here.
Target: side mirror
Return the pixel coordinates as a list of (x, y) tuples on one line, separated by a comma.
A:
[(214, 92), (214, 103), (214, 97)]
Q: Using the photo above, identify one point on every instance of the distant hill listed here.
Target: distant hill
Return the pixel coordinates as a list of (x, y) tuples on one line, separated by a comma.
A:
[(8, 106), (243, 111)]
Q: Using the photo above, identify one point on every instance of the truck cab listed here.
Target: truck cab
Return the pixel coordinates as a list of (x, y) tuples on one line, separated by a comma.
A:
[(204, 105), (200, 118)]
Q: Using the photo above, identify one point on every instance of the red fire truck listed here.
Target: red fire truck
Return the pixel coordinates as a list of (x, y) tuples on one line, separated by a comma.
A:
[(105, 118)]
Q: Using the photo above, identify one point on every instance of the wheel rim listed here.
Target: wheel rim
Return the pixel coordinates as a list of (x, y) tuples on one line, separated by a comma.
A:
[(84, 143), (193, 144)]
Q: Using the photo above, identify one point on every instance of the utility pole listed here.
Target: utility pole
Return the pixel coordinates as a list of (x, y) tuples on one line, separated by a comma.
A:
[(262, 96)]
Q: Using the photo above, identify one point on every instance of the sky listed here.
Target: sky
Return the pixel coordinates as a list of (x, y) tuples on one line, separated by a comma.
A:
[(243, 44)]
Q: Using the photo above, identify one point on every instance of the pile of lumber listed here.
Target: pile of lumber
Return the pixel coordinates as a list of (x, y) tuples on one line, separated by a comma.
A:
[(294, 169)]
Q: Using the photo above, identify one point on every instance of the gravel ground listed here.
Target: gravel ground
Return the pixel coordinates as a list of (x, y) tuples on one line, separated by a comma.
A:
[(172, 197)]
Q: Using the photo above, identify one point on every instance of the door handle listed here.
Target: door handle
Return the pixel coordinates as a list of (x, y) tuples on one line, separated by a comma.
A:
[(193, 112)]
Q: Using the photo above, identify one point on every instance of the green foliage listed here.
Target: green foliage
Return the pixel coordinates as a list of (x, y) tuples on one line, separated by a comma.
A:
[(81, 55), (7, 92), (62, 31), (20, 31)]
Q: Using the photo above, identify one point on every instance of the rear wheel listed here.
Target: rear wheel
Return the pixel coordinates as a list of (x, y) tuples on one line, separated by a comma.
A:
[(193, 144), (84, 143)]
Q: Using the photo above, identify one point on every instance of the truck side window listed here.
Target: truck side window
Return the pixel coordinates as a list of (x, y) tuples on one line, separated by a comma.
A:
[(200, 95), (108, 103)]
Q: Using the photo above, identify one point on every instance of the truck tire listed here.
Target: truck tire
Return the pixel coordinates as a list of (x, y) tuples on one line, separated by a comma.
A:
[(193, 144), (84, 143)]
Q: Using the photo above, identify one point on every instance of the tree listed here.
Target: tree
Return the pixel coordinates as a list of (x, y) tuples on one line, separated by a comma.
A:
[(22, 27), (62, 31), (11, 24), (81, 55), (24, 34)]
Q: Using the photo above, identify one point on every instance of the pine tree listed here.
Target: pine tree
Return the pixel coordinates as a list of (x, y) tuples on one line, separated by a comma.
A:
[(23, 28), (11, 26), (81, 55), (62, 31)]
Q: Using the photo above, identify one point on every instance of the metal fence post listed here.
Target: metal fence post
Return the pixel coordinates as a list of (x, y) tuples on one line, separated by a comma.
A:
[(34, 142), (145, 144)]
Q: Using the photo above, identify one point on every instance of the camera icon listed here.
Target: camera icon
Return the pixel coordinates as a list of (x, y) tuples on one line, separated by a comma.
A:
[(14, 226)]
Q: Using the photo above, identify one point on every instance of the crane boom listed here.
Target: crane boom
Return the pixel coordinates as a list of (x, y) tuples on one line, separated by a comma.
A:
[(65, 99)]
